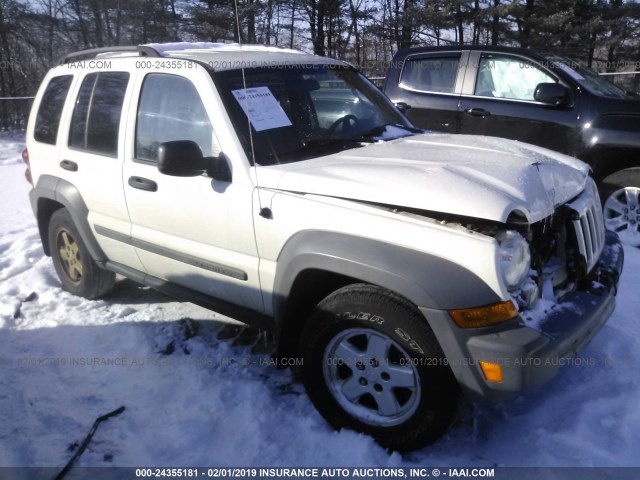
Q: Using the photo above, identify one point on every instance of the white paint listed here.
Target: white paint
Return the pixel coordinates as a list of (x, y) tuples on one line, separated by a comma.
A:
[(474, 176), (183, 413)]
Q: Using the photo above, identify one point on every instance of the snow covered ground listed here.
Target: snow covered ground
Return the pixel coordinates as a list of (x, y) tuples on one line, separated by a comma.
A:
[(194, 398)]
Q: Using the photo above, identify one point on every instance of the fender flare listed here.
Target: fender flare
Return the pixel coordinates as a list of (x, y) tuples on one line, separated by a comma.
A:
[(67, 195), (424, 279)]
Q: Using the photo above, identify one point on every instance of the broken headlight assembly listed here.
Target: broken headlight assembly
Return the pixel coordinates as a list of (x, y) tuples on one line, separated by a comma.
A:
[(515, 258)]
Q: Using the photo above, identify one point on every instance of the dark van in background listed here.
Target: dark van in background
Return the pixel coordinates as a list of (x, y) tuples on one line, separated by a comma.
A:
[(545, 100)]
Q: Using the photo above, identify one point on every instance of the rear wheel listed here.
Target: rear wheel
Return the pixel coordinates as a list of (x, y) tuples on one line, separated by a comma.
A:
[(76, 269), (372, 364), (620, 194)]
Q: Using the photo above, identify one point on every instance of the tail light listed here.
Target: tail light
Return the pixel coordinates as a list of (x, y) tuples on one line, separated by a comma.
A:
[(27, 172)]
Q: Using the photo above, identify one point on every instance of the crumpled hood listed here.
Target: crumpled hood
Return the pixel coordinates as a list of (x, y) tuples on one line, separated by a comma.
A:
[(474, 176)]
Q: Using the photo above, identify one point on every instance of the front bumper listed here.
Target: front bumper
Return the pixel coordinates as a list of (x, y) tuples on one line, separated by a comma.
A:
[(531, 355)]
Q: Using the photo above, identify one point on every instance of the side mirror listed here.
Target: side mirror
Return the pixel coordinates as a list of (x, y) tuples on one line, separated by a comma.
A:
[(219, 168), (551, 94), (183, 158), (403, 107)]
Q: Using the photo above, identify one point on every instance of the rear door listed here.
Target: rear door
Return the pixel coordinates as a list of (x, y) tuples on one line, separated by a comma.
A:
[(92, 155), (497, 100), (431, 83)]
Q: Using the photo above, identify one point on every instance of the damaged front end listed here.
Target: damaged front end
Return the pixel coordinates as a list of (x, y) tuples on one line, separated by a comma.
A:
[(571, 252), (563, 300), (567, 252)]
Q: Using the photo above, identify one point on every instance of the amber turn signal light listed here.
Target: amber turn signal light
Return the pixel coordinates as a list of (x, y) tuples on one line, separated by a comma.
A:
[(483, 316), (491, 371)]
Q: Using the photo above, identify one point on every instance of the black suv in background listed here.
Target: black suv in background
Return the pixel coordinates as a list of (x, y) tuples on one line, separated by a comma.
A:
[(544, 100)]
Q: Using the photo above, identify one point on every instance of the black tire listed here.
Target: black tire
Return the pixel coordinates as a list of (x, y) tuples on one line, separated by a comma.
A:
[(77, 271), (620, 195), (360, 318)]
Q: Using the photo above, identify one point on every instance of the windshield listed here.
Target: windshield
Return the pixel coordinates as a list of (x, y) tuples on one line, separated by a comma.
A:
[(587, 78), (305, 111)]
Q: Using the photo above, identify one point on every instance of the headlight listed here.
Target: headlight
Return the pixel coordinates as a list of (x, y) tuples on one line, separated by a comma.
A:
[(515, 258)]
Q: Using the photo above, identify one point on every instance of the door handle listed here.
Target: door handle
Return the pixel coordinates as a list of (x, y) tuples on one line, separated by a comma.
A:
[(69, 165), (477, 112), (142, 183)]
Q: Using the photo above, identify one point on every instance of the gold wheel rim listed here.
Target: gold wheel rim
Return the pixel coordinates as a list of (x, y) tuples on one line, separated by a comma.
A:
[(69, 254)]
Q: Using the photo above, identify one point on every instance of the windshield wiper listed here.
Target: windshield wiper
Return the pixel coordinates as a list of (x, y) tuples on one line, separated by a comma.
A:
[(319, 146), (379, 130)]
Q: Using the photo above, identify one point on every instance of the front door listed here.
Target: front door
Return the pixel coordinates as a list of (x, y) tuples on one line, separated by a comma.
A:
[(193, 231), (497, 100)]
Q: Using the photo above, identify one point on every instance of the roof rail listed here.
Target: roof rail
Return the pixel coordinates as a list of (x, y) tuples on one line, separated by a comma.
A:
[(142, 50)]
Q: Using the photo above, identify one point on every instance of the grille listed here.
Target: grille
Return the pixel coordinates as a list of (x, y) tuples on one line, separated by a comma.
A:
[(588, 224)]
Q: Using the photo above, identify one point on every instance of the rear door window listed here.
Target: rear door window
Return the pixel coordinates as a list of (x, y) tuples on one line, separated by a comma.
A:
[(96, 117), (50, 110), (431, 74)]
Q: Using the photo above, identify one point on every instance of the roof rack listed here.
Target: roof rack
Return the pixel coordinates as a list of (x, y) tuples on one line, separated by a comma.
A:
[(142, 50)]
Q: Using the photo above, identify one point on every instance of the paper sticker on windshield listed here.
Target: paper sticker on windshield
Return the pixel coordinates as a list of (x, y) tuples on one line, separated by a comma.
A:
[(262, 108)]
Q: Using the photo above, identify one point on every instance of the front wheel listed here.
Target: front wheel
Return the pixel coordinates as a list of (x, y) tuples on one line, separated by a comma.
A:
[(620, 194), (372, 364)]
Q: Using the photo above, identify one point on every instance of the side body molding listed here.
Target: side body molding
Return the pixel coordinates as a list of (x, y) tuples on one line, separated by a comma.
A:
[(66, 194), (425, 280)]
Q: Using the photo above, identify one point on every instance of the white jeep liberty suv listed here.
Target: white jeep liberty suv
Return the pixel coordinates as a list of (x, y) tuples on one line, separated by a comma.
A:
[(405, 268)]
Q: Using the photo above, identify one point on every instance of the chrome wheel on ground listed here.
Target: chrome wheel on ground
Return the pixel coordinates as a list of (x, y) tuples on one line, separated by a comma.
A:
[(622, 214), (372, 364), (371, 377)]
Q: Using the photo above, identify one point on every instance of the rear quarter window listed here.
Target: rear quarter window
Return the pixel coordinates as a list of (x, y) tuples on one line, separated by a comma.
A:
[(50, 109)]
